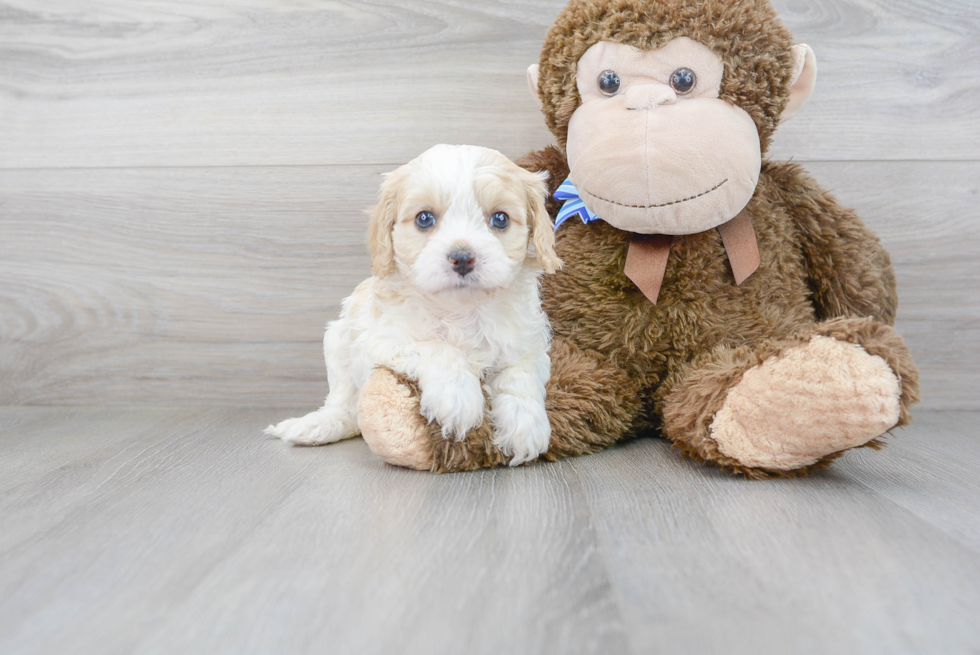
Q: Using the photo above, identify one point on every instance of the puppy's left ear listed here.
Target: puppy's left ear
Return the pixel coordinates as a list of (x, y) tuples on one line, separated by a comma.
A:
[(542, 230), (382, 222)]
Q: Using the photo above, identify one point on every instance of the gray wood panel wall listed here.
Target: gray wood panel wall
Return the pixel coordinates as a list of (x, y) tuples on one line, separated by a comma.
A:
[(182, 184)]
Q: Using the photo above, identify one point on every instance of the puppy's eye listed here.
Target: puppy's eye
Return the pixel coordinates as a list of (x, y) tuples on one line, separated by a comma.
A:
[(425, 220), (500, 220), (609, 83), (683, 81)]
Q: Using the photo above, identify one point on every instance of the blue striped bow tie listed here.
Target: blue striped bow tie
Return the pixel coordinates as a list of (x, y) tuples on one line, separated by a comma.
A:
[(573, 204)]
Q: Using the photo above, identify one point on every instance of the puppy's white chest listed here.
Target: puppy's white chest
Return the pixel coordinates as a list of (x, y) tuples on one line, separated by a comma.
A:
[(472, 335)]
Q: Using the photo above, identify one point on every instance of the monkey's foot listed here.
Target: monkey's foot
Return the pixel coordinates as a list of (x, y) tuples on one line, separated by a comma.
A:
[(810, 401), (390, 422), (389, 418)]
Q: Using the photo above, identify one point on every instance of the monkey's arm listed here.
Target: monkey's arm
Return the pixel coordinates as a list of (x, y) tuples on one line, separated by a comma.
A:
[(849, 273), (549, 159)]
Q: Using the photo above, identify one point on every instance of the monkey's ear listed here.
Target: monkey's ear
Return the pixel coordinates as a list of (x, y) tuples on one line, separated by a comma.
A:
[(532, 82), (804, 79), (539, 220), (381, 222)]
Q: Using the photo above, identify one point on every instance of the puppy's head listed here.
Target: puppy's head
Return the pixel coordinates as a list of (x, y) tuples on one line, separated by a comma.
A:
[(461, 218)]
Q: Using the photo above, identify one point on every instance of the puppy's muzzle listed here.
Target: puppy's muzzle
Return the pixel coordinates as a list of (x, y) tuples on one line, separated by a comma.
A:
[(463, 260)]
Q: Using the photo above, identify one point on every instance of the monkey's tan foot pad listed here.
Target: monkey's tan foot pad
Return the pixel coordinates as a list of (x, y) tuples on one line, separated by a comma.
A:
[(390, 422), (808, 402)]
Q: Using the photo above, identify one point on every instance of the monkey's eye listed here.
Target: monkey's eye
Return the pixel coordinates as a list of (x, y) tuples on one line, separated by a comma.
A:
[(500, 220), (425, 220), (683, 81), (609, 83)]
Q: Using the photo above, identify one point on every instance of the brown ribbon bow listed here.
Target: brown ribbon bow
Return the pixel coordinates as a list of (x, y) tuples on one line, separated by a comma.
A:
[(646, 261)]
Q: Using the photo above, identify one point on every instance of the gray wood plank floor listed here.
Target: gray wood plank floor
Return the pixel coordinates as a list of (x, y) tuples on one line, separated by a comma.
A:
[(155, 530)]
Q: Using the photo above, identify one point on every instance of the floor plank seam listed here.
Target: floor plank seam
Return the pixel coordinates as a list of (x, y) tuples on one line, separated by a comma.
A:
[(602, 550)]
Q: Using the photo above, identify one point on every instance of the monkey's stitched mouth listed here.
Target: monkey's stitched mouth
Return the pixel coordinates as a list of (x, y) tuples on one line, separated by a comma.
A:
[(666, 204)]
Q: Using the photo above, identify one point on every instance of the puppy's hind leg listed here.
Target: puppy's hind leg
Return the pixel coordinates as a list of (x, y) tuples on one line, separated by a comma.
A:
[(337, 419), (326, 425)]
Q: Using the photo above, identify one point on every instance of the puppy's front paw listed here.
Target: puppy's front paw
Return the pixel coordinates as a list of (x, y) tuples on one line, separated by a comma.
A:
[(453, 401), (314, 429), (520, 427)]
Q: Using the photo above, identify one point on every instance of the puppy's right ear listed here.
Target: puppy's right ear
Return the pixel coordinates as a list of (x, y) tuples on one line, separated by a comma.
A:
[(539, 220), (381, 222)]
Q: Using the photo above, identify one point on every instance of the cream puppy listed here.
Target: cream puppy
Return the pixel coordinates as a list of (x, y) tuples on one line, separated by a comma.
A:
[(458, 239)]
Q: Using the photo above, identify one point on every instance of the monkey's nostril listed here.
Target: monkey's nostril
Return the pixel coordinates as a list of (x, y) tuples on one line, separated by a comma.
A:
[(462, 260)]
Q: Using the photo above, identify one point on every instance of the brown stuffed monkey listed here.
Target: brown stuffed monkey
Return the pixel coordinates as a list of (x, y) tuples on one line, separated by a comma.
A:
[(722, 300)]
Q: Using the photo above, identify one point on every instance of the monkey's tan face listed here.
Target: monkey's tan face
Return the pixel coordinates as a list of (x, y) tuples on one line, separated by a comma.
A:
[(653, 149)]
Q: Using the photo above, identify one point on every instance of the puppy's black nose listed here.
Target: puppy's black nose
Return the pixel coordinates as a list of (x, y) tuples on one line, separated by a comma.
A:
[(462, 260)]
